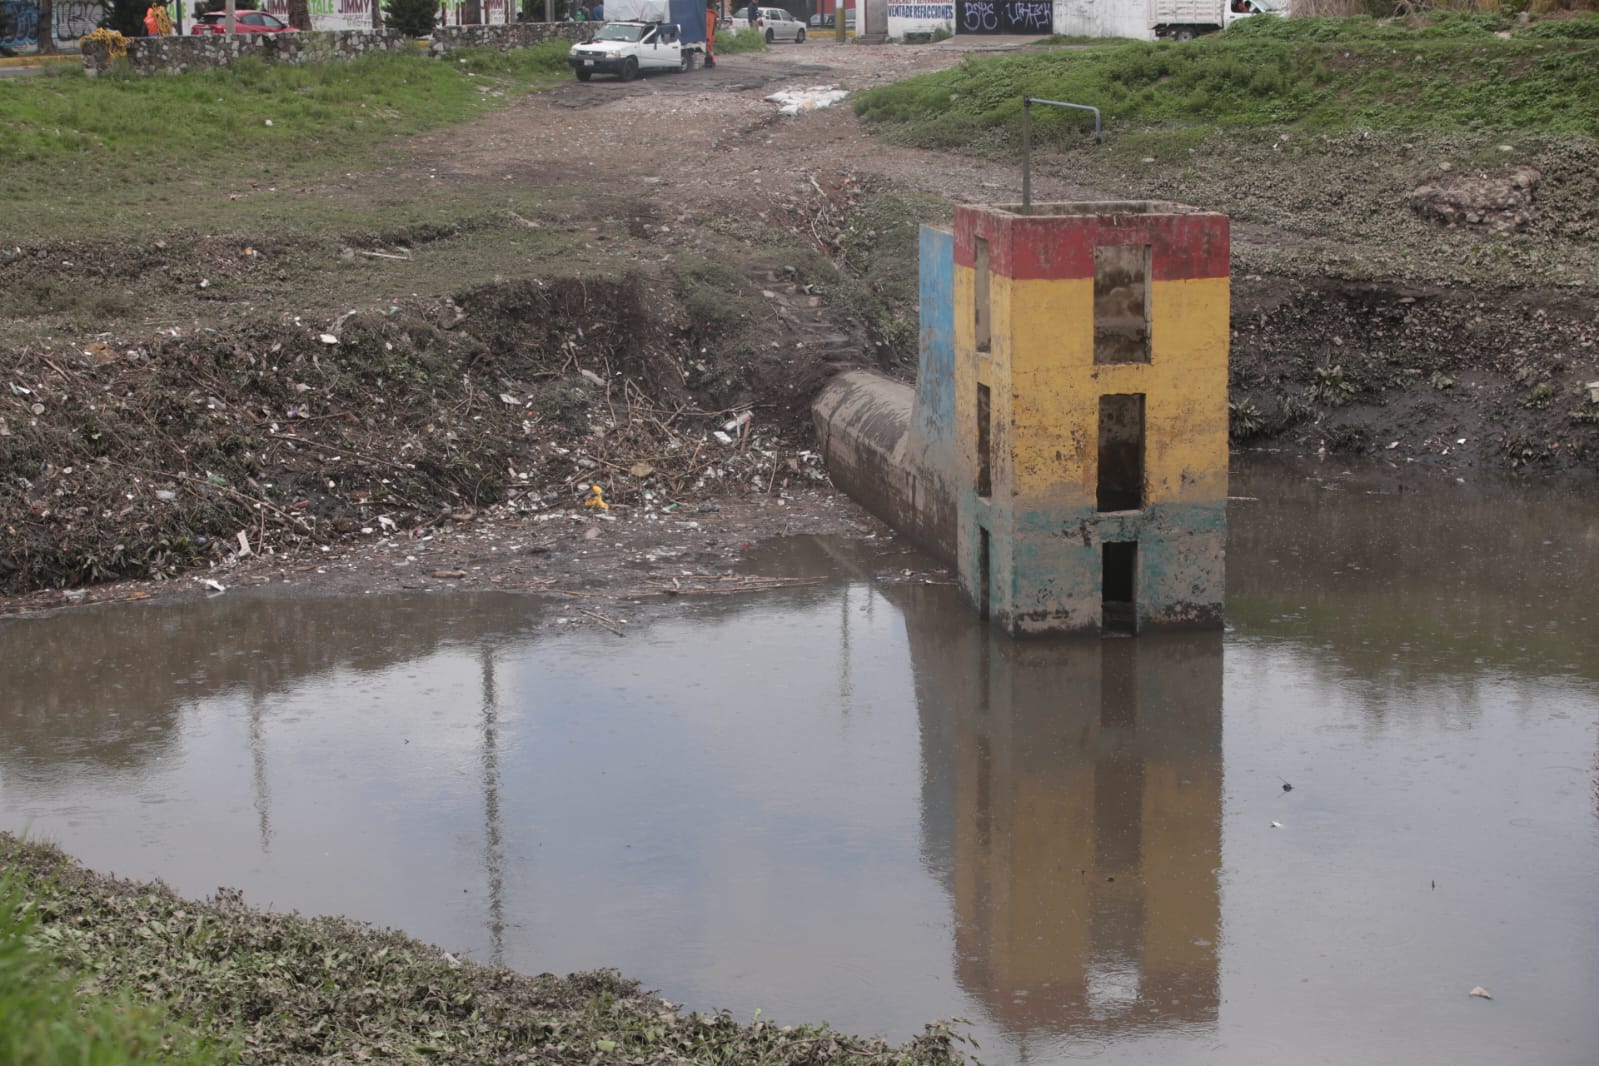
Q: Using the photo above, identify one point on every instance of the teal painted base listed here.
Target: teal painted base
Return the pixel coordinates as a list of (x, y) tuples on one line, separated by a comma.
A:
[(1047, 572)]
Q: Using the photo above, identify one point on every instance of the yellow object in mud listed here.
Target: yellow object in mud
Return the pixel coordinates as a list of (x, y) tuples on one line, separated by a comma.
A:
[(596, 498)]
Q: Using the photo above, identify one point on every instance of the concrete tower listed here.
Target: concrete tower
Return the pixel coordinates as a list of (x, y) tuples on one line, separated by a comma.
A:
[(1090, 388)]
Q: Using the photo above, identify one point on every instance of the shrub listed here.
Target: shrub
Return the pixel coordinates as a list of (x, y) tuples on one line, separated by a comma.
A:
[(414, 18)]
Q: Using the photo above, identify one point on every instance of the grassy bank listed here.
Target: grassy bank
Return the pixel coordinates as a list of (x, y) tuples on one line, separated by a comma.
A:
[(44, 1021), (280, 988), (1319, 128), (1318, 75), (84, 156)]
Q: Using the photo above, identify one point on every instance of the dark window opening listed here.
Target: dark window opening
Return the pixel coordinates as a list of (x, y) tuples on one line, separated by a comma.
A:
[(1121, 304), (981, 310), (1121, 452), (985, 469), (1118, 583)]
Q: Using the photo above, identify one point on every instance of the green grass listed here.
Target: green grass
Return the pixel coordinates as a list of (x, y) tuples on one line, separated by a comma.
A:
[(729, 43), (45, 1022), (66, 139), (1326, 75)]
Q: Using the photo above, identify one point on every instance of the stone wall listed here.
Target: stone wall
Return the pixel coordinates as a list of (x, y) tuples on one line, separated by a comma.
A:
[(447, 39), (177, 55)]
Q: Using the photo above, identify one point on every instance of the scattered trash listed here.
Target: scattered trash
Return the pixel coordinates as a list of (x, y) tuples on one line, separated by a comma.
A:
[(1481, 993), (641, 470), (592, 377), (722, 437), (449, 573), (214, 585), (328, 338), (793, 101), (742, 420), (244, 544), (596, 498), (1276, 825)]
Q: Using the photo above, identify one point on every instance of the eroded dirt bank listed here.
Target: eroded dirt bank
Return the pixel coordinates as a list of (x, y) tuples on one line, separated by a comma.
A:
[(396, 408)]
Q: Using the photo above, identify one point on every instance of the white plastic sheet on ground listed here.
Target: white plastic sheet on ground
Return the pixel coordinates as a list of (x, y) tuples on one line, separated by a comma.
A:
[(793, 101)]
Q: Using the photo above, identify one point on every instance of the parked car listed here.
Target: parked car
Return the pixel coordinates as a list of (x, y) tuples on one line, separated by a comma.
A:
[(779, 25), (244, 21), (829, 21)]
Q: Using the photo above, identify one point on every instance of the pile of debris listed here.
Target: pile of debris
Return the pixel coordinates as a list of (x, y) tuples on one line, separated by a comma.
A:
[(143, 459)]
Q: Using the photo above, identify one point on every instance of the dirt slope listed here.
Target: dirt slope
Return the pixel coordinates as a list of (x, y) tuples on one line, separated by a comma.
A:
[(200, 400)]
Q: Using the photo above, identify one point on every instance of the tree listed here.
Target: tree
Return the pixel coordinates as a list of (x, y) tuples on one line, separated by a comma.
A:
[(126, 17), (300, 14), (47, 27), (414, 18)]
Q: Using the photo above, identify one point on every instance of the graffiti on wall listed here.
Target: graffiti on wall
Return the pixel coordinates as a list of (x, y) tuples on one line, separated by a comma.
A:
[(21, 23), (923, 12), (1005, 16), (71, 20)]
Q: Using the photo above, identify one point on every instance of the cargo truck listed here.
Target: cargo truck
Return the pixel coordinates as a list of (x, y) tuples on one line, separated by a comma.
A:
[(1183, 20), (642, 35)]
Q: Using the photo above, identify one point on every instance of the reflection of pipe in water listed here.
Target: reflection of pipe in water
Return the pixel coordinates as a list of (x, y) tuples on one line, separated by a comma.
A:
[(1085, 819), (263, 794), (493, 846)]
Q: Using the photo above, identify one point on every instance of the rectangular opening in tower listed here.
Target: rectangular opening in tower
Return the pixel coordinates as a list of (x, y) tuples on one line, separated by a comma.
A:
[(1121, 303), (983, 317), (985, 468), (984, 571), (1121, 452), (1118, 583)]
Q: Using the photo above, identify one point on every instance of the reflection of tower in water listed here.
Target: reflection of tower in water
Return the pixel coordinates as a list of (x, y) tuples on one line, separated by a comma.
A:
[(1084, 811)]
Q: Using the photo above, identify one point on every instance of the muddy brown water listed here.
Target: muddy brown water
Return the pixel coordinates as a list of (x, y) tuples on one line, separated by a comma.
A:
[(848, 802)]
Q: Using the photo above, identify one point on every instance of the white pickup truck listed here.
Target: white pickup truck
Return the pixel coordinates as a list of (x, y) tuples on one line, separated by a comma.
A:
[(1183, 20), (640, 36)]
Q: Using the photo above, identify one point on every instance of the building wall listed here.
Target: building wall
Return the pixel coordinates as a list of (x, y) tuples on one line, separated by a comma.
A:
[(1103, 18), (70, 20), (912, 16), (1041, 522)]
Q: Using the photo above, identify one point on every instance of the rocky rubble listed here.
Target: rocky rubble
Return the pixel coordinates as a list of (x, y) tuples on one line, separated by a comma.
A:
[(1501, 203)]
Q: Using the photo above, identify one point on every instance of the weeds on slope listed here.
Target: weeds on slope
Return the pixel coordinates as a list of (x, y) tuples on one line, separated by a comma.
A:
[(44, 1020), (329, 990)]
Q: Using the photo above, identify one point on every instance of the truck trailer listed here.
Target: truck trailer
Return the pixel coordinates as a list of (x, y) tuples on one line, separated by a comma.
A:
[(1183, 20), (642, 35)]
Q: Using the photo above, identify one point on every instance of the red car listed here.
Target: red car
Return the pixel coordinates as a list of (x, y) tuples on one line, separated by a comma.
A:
[(244, 21)]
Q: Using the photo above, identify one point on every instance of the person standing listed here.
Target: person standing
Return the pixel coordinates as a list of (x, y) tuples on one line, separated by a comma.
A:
[(754, 14), (710, 33)]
